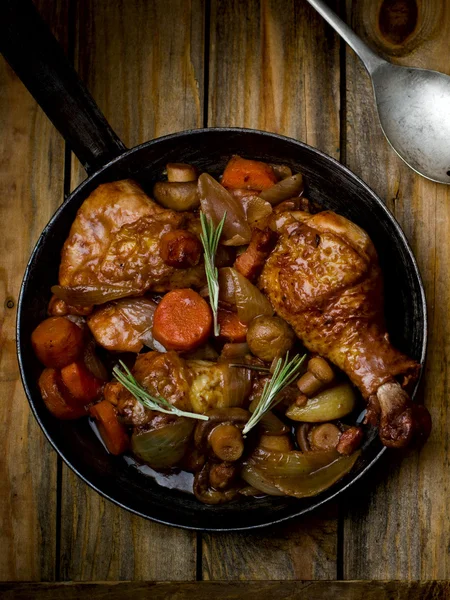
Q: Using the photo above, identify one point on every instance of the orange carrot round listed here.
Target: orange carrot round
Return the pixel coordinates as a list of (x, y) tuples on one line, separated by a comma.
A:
[(241, 173), (57, 342), (112, 431), (81, 383), (182, 320), (231, 328), (56, 398)]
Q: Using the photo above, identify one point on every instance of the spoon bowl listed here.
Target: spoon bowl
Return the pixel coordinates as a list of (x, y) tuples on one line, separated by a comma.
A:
[(413, 105), (414, 110)]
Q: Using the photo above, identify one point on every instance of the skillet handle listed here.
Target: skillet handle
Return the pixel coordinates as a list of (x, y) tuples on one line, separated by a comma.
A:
[(39, 61)]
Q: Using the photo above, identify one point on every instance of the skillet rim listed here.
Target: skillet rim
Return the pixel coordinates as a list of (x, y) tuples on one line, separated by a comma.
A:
[(173, 136)]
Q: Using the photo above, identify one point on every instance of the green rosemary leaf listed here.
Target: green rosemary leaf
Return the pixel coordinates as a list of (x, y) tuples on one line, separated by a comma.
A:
[(285, 373), (210, 237), (157, 403)]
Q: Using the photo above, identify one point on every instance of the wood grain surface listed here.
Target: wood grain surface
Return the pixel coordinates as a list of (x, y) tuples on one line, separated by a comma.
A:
[(147, 85), (158, 66), (282, 590), (31, 154), (401, 526), (274, 65)]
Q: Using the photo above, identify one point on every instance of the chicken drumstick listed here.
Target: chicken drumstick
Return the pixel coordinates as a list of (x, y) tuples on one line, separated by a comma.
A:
[(324, 279)]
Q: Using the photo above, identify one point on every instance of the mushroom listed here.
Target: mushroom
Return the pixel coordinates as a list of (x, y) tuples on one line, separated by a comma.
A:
[(181, 173), (204, 489), (318, 375), (221, 436)]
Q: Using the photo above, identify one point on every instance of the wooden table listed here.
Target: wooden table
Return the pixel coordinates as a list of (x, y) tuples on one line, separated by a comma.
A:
[(158, 66)]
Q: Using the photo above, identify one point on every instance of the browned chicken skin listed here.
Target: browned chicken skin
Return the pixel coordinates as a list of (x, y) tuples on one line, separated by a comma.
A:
[(115, 240), (324, 279)]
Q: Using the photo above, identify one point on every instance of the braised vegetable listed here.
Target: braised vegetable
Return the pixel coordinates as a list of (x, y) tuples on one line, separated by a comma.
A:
[(181, 172), (206, 493), (318, 375), (88, 295), (269, 337), (296, 473), (284, 189), (113, 433), (251, 261), (81, 383), (164, 446), (328, 405), (281, 443), (57, 398), (60, 308), (238, 291), (248, 174), (226, 442), (123, 325), (324, 437), (216, 202), (180, 249), (57, 342), (177, 196), (182, 320), (230, 327)]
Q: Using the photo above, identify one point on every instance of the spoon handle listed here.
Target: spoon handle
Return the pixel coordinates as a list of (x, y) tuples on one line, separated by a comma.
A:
[(370, 60)]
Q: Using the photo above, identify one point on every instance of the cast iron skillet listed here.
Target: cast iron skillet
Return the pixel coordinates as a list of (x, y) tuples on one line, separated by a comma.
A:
[(39, 61)]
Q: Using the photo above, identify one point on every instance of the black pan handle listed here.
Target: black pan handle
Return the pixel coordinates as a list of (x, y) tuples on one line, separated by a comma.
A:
[(39, 61)]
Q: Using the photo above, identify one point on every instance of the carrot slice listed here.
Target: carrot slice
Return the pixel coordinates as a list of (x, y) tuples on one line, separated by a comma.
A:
[(81, 383), (57, 342), (182, 320), (56, 398), (248, 174), (231, 328), (251, 262), (112, 431)]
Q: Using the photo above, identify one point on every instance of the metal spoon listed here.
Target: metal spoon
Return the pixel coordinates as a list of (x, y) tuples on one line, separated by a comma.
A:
[(413, 105)]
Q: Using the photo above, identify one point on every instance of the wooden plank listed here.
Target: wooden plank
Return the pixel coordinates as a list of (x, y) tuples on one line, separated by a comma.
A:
[(31, 187), (282, 590), (401, 527), (147, 76), (274, 65)]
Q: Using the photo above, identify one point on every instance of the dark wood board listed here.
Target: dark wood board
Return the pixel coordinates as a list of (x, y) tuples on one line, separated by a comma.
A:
[(399, 528)]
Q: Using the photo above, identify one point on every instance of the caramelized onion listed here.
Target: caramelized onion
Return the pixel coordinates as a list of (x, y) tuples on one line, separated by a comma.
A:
[(290, 464), (234, 351), (237, 385), (272, 425), (256, 209), (295, 473), (215, 201), (251, 475), (88, 295), (165, 446), (240, 292), (93, 363), (281, 171), (317, 481), (284, 189)]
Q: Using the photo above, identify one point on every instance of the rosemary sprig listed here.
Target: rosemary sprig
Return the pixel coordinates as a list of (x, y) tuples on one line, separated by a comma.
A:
[(284, 374), (210, 237), (251, 367), (152, 402)]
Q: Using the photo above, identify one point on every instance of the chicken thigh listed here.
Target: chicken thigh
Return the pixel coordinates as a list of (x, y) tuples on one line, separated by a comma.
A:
[(324, 279), (115, 240)]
